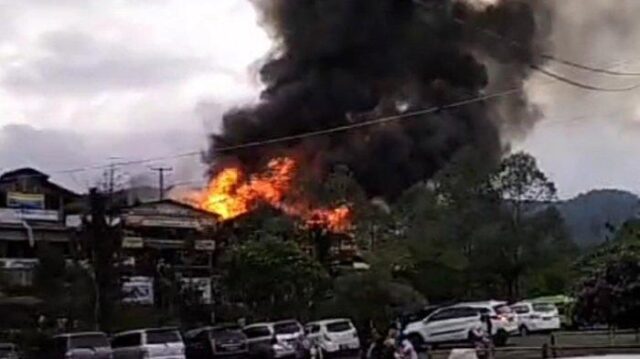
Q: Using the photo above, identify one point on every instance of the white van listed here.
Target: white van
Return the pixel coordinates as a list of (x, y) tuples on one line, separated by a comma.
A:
[(160, 343), (333, 335), (536, 317)]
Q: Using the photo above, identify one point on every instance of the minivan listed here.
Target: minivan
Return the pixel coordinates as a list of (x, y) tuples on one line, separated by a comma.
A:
[(215, 342), (536, 317), (87, 345), (160, 343)]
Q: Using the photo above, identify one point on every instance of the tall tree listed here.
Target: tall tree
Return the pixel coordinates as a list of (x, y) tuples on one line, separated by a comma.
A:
[(272, 277)]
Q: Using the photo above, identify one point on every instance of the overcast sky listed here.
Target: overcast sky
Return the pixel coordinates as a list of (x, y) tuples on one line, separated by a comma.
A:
[(82, 81)]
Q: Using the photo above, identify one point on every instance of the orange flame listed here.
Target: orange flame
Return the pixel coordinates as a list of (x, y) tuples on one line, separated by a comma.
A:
[(232, 193)]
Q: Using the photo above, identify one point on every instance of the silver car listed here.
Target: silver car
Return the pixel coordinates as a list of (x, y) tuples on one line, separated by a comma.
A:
[(159, 343), (87, 345)]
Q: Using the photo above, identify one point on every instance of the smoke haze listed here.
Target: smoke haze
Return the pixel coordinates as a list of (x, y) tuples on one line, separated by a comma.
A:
[(338, 62)]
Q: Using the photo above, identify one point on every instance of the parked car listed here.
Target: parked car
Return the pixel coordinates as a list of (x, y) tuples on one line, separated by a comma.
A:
[(263, 342), (504, 322), (88, 345), (536, 317), (215, 342), (8, 351), (333, 335), (292, 332), (162, 343), (445, 325), (565, 305)]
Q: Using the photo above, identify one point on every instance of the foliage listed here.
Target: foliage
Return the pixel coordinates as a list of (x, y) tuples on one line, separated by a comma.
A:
[(272, 276), (609, 289), (376, 295), (66, 289)]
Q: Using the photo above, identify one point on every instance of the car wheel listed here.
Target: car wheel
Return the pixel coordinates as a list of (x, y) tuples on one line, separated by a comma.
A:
[(501, 338), (524, 331), (417, 341)]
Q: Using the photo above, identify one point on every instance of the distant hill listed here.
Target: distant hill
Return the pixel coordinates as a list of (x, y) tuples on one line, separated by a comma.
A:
[(587, 215)]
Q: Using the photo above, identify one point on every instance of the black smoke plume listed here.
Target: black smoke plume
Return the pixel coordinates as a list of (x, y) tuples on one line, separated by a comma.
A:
[(338, 62)]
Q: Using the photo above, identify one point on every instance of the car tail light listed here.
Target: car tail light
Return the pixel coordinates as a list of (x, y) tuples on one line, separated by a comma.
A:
[(327, 338), (355, 335)]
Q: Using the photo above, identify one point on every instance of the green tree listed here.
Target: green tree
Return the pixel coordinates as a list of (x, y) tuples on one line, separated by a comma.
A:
[(272, 277), (523, 188)]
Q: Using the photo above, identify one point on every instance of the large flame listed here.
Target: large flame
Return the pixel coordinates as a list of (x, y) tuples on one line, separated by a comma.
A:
[(232, 193)]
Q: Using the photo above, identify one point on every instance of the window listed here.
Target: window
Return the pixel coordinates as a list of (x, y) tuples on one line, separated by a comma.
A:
[(257, 332), (162, 336), (336, 327), (466, 313), (286, 328), (544, 307), (521, 309), (443, 315), (89, 341), (127, 340)]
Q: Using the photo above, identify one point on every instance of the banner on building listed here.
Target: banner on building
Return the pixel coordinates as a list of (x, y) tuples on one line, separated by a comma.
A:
[(205, 245), (137, 290), (132, 242), (17, 215), (25, 200)]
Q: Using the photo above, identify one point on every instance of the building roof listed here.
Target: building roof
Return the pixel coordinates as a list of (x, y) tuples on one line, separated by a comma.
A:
[(173, 203), (32, 172)]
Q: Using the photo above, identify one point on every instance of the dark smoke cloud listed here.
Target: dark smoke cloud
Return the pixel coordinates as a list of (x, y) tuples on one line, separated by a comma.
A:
[(344, 61)]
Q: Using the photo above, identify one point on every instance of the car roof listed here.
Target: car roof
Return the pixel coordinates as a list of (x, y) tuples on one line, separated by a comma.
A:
[(329, 321), (78, 334), (144, 330), (255, 325), (486, 303), (286, 321)]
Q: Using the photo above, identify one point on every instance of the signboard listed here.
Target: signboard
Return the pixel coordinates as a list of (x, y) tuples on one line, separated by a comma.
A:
[(25, 200), (17, 215), (200, 285), (132, 242), (138, 290), (205, 245), (18, 263), (159, 221)]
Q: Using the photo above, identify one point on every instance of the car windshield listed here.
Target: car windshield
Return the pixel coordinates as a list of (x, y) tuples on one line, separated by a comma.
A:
[(162, 336), (88, 341), (342, 326), (286, 328), (257, 332), (544, 307)]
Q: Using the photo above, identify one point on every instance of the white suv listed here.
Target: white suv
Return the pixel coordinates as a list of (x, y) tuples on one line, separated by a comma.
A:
[(504, 322), (454, 324), (445, 325), (536, 317), (161, 343), (333, 335)]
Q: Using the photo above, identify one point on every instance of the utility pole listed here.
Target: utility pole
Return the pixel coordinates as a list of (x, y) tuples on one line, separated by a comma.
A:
[(161, 171)]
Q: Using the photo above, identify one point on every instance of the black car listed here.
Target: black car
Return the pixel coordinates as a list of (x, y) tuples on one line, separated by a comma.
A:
[(215, 342)]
